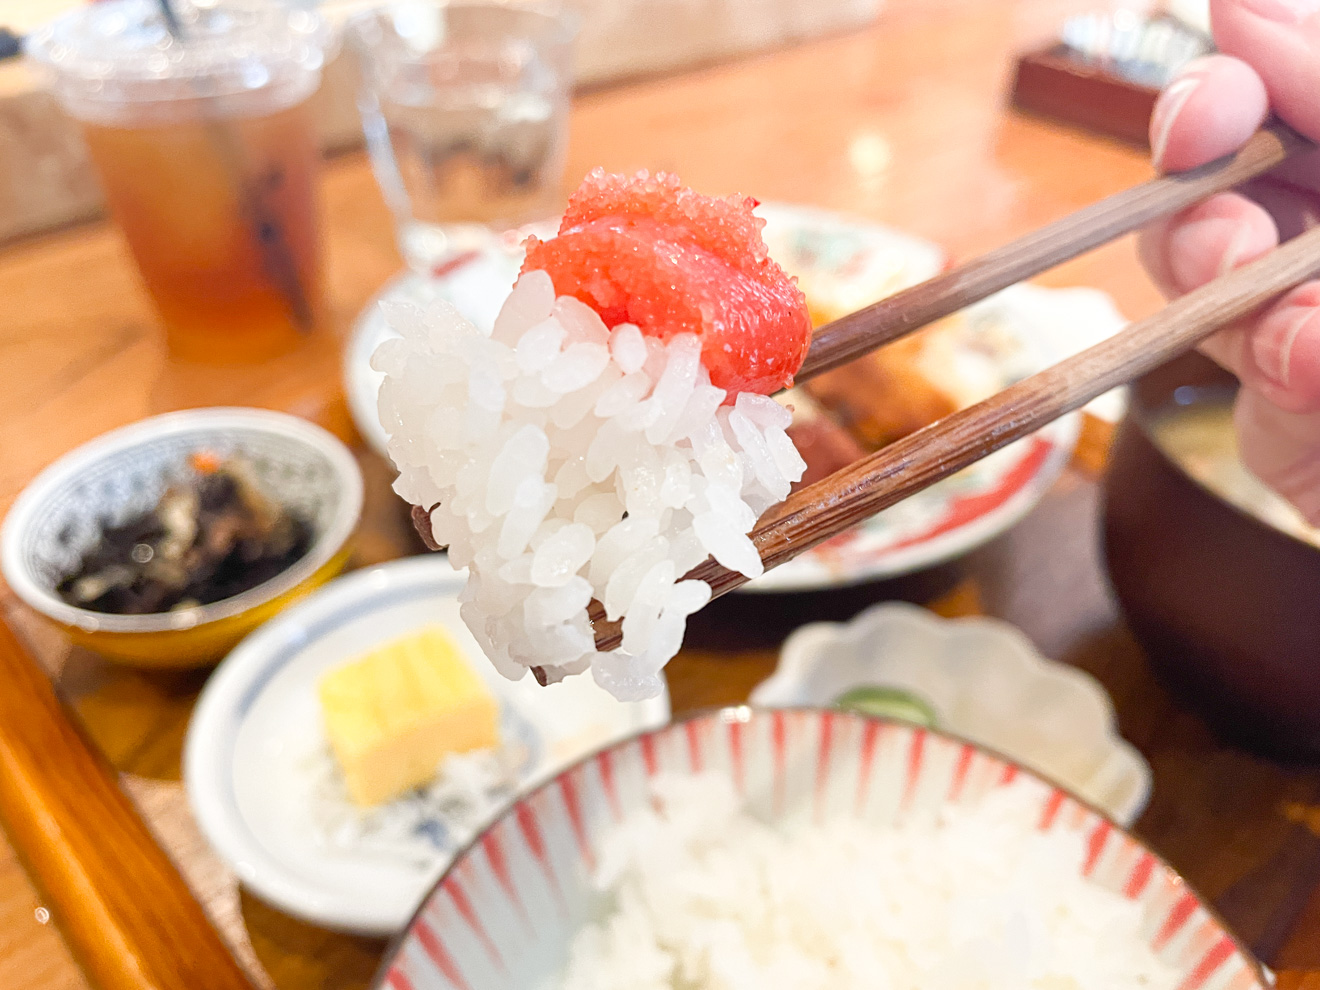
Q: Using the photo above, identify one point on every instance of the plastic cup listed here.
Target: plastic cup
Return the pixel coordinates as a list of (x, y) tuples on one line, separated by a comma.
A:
[(209, 158)]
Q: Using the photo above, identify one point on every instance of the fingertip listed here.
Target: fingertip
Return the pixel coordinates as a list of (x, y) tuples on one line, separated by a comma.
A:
[(1282, 41), (1285, 352), (1214, 237), (1213, 106)]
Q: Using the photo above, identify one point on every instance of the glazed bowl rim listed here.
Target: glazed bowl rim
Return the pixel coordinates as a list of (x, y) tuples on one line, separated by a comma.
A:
[(28, 510)]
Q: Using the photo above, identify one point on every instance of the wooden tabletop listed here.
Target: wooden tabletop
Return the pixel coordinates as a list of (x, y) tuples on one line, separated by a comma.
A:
[(903, 123)]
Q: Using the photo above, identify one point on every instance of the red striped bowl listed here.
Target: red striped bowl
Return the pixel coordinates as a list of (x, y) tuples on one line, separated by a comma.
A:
[(504, 913)]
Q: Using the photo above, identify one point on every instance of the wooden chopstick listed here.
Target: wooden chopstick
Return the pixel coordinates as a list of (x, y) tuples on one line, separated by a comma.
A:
[(128, 915), (897, 315), (823, 510)]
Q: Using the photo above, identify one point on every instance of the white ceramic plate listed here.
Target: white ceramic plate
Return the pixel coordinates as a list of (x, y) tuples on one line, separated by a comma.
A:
[(255, 746), (941, 523), (844, 259), (985, 682)]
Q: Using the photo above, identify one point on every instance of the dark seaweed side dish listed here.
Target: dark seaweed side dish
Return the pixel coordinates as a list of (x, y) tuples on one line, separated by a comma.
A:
[(210, 537)]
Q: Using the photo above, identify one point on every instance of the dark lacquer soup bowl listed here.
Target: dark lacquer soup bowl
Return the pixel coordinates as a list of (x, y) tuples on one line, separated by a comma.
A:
[(1218, 578)]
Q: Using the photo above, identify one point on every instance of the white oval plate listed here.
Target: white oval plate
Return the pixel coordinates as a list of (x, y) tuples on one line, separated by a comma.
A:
[(845, 259), (986, 683), (255, 743)]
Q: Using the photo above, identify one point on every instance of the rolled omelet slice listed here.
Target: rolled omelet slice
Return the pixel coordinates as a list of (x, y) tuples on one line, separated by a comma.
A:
[(392, 715)]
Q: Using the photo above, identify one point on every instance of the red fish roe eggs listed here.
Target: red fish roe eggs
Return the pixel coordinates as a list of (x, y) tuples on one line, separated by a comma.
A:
[(643, 249)]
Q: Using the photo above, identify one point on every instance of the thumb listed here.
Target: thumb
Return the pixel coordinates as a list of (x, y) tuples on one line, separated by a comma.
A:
[(1280, 39)]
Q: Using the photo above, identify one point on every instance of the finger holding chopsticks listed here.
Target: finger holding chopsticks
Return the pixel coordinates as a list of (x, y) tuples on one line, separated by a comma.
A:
[(1207, 112)]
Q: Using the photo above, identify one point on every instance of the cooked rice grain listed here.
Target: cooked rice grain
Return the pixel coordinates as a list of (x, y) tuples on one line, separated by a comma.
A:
[(566, 462), (704, 897)]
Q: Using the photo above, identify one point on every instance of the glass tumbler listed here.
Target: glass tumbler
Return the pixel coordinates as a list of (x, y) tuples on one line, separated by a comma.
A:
[(465, 109), (201, 134)]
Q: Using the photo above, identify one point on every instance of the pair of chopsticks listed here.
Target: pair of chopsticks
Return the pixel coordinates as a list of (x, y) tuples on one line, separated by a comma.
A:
[(818, 512)]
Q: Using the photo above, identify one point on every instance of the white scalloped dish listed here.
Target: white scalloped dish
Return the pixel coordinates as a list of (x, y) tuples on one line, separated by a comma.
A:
[(985, 682)]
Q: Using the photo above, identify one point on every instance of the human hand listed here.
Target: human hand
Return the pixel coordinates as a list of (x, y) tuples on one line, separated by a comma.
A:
[(1270, 61)]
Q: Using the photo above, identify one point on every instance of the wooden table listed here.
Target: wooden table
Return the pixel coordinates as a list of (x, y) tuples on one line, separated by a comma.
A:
[(903, 123)]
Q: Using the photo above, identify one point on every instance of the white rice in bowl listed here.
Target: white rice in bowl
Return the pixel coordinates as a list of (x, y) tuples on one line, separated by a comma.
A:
[(565, 462), (704, 897)]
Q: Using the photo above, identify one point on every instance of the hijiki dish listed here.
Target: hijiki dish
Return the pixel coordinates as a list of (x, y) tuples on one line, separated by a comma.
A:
[(613, 431), (213, 534)]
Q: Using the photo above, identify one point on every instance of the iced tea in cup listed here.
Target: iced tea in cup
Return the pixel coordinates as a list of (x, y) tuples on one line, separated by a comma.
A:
[(203, 139)]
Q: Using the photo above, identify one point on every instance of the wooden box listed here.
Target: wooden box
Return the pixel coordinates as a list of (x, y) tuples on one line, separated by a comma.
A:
[(1058, 83)]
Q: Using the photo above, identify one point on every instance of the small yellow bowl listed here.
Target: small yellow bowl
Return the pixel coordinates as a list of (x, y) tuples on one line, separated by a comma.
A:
[(123, 473)]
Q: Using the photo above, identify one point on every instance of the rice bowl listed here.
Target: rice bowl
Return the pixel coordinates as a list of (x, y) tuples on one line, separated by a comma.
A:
[(555, 868)]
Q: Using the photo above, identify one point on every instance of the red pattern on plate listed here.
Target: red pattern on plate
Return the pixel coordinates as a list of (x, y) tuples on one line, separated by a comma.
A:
[(1051, 811), (648, 753), (736, 752), (524, 812), (1182, 909), (824, 746), (1203, 940), (463, 905), (605, 764), (493, 847), (398, 979), (959, 511), (870, 736), (1095, 845), (693, 732), (968, 508), (438, 954), (965, 756), (568, 789), (916, 755), (451, 265), (1218, 954), (1140, 876)]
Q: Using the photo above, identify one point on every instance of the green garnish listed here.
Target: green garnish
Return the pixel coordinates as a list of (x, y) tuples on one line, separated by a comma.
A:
[(887, 702)]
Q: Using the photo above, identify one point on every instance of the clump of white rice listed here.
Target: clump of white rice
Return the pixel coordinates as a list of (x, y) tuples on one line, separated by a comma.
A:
[(566, 462), (704, 897)]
